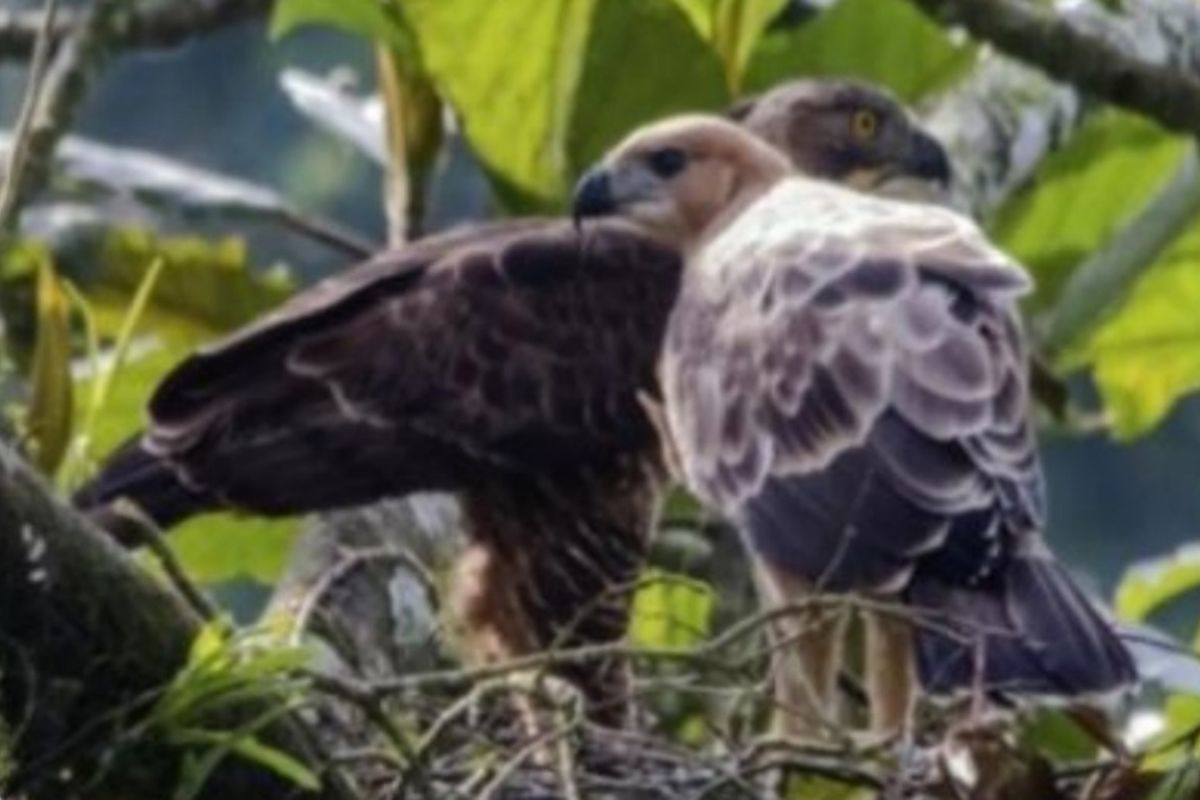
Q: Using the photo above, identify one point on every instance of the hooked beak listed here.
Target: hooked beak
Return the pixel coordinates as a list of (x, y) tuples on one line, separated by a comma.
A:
[(928, 160), (593, 196)]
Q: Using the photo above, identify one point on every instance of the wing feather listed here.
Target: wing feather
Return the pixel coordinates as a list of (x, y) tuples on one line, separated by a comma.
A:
[(846, 378), (516, 345)]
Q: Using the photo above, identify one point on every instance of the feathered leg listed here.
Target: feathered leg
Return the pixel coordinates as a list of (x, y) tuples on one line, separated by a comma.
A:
[(553, 565), (806, 658), (890, 671)]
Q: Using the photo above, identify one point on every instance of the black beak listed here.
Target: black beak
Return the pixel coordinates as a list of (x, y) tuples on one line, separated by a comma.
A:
[(593, 196), (928, 159)]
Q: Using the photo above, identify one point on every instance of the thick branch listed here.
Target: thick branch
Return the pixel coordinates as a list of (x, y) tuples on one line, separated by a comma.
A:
[(1005, 117), (160, 26), (1054, 43)]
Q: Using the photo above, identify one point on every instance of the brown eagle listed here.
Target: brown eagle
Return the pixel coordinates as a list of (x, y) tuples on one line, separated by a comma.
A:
[(844, 376), (503, 363)]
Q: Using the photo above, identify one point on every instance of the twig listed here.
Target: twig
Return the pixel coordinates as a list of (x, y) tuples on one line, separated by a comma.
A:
[(15, 164), (147, 534), (1046, 39), (78, 60), (157, 25)]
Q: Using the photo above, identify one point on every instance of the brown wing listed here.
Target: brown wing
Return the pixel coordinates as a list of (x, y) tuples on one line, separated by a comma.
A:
[(518, 346)]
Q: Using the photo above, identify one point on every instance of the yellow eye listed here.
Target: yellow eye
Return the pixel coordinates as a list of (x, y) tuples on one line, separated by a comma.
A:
[(864, 124)]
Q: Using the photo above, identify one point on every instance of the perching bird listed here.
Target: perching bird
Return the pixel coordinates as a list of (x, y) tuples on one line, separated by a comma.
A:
[(503, 363), (845, 378)]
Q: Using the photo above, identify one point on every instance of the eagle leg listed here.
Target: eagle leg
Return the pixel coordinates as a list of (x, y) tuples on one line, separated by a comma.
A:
[(806, 656)]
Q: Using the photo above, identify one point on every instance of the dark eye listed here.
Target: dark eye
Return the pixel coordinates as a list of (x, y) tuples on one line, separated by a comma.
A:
[(667, 162), (864, 124)]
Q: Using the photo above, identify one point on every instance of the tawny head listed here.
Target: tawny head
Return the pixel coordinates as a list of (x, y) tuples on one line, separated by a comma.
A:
[(679, 177), (849, 132)]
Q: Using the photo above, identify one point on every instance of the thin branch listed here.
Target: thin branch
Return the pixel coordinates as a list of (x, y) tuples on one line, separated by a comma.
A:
[(78, 60), (15, 164), (1100, 282), (1051, 42), (147, 534), (160, 25)]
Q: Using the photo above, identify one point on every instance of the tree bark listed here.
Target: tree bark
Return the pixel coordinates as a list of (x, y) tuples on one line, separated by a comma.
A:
[(87, 638)]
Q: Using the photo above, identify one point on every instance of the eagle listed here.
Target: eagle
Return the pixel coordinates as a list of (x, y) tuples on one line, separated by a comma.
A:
[(504, 363), (845, 377)]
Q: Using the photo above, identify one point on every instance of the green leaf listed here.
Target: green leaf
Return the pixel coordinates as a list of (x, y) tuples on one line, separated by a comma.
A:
[(1083, 194), (671, 611), (1054, 734), (372, 19), (545, 85), (219, 547), (205, 289), (883, 41), (1149, 585), (733, 28), (643, 61), (1146, 357), (49, 419)]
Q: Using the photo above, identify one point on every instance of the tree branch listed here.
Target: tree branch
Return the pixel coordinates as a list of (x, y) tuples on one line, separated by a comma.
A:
[(1056, 44), (87, 639), (79, 58), (161, 26)]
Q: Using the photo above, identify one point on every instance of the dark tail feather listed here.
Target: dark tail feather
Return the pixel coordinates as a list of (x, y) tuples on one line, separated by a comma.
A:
[(1034, 632), (145, 480)]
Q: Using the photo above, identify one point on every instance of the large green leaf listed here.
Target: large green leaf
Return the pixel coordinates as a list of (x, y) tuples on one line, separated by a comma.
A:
[(733, 28), (372, 19), (1149, 585), (884, 41), (1082, 195), (1146, 357), (543, 86), (204, 290)]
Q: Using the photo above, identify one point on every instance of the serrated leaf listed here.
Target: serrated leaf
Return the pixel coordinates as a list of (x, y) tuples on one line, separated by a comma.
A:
[(1149, 585), (1083, 194), (884, 41)]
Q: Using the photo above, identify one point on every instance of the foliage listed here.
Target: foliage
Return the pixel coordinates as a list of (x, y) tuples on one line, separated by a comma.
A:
[(226, 673), (909, 54)]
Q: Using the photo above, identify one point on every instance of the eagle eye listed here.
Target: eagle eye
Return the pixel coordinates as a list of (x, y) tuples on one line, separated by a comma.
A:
[(667, 162), (864, 124)]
